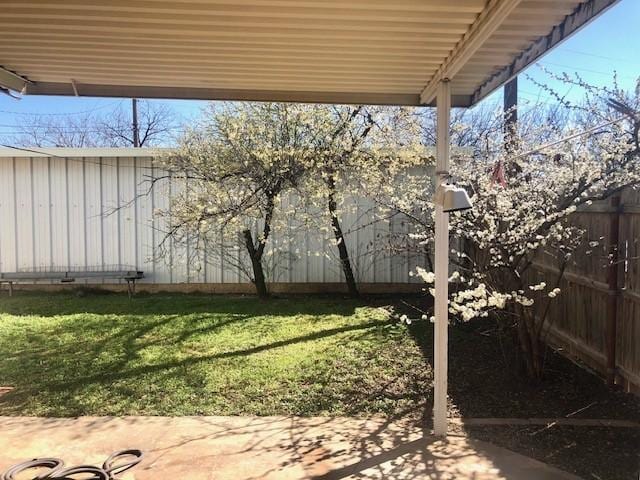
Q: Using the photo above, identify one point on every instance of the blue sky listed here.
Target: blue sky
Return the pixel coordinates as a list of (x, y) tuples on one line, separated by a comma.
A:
[(611, 42)]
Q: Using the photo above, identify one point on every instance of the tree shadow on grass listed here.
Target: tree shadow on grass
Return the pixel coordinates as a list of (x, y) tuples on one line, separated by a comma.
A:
[(64, 362), (108, 303), (132, 373), (64, 354)]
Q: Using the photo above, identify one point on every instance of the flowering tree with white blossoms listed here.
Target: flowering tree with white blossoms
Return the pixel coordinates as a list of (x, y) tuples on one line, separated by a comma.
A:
[(237, 164), (362, 150), (523, 198), (244, 159)]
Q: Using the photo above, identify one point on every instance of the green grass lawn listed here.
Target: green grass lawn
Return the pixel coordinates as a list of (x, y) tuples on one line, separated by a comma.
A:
[(204, 355)]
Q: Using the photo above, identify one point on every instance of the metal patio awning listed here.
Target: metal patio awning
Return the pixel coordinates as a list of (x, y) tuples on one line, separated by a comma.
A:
[(334, 51)]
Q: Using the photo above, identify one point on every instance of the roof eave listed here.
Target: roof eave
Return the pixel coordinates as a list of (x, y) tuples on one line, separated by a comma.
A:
[(584, 14)]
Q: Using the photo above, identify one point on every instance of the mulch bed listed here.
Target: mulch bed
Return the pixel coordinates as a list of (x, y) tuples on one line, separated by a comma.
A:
[(593, 453), (484, 381)]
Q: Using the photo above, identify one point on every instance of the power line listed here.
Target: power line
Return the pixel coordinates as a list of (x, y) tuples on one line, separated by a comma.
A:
[(31, 151), (539, 94), (83, 161), (63, 113), (588, 70), (23, 128), (614, 59), (538, 98), (570, 137)]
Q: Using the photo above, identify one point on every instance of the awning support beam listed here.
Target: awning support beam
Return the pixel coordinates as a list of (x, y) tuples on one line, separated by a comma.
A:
[(441, 325), (205, 93), (489, 20)]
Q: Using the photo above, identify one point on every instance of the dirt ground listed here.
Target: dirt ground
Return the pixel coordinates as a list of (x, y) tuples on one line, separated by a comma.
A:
[(484, 382)]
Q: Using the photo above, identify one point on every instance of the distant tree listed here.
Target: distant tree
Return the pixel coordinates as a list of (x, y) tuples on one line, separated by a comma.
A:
[(157, 127), (470, 128), (56, 131), (481, 128)]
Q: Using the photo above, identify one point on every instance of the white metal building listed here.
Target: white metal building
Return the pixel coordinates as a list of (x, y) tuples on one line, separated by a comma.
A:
[(89, 209)]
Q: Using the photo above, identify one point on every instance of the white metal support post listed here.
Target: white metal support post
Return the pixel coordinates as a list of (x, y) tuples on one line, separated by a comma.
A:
[(441, 308)]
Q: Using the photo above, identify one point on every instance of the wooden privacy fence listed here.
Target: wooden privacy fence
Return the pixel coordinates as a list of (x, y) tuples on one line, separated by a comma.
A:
[(597, 317)]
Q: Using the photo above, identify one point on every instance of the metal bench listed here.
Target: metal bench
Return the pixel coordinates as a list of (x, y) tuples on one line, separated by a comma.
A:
[(70, 275)]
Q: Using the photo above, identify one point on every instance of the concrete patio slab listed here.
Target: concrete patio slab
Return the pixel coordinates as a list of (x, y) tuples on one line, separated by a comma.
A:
[(251, 448)]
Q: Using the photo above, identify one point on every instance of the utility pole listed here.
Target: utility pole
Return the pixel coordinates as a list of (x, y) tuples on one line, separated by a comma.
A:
[(136, 131), (510, 114), (510, 132)]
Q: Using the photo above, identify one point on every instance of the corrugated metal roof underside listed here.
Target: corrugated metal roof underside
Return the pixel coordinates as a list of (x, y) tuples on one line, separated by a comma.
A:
[(369, 51)]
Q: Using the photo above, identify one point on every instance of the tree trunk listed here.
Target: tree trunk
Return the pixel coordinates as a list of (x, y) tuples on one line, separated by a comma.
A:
[(524, 343), (256, 252), (530, 346), (345, 262), (256, 264)]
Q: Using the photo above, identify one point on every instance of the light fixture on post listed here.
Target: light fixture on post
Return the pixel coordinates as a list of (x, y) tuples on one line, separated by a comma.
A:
[(452, 198)]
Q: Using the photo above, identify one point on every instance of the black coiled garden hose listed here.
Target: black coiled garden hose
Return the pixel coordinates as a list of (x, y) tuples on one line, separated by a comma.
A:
[(115, 464)]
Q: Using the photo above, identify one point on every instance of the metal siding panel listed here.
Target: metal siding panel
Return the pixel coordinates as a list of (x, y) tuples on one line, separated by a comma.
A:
[(222, 264), (348, 223), (110, 214), (85, 196), (196, 272), (41, 213), (383, 265), (179, 249), (283, 256), (8, 261), (93, 212), (315, 259), (144, 219), (214, 271), (160, 198), (296, 250), (243, 261), (332, 271), (366, 239), (276, 262), (59, 230), (76, 212), (416, 259), (127, 213), (399, 261), (24, 218)]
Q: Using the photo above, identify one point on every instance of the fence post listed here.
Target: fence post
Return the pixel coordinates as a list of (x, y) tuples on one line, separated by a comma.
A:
[(614, 291)]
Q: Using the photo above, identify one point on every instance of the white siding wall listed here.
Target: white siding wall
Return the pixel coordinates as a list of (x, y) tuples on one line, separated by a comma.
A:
[(57, 210)]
